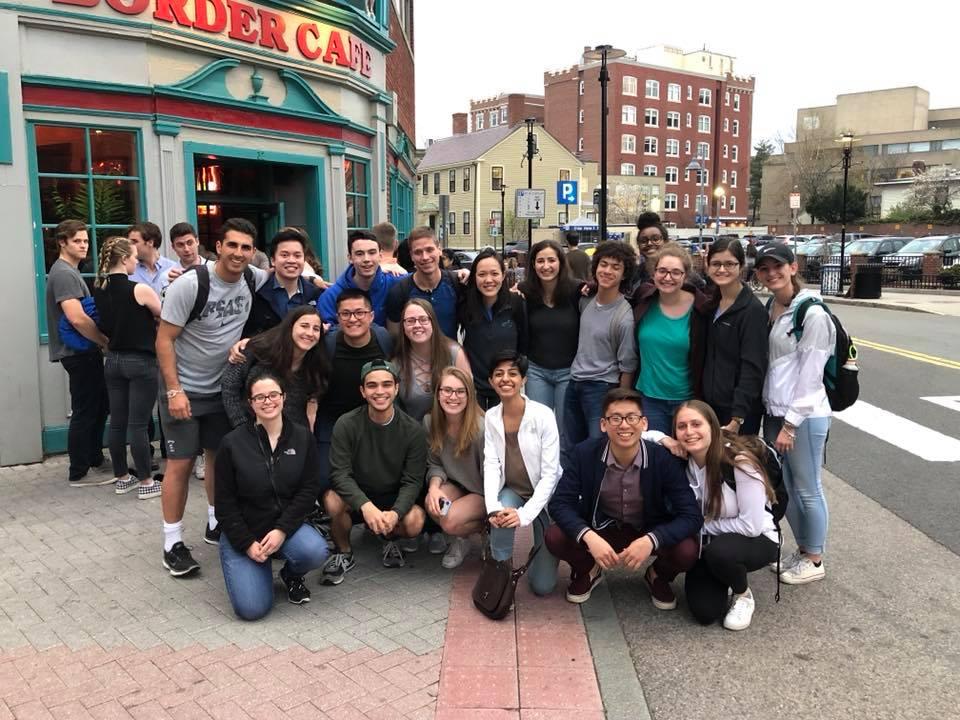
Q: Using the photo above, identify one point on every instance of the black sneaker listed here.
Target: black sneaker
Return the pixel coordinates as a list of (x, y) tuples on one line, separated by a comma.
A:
[(211, 536), (297, 591), (179, 561), (337, 566)]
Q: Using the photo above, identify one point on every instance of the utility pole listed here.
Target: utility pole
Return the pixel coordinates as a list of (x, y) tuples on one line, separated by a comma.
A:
[(531, 150), (503, 219)]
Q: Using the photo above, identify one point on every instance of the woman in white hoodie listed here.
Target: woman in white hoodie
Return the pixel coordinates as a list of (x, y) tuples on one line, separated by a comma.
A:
[(797, 409), (521, 467)]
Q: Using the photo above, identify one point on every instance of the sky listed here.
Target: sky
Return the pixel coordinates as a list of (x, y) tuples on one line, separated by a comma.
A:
[(802, 54)]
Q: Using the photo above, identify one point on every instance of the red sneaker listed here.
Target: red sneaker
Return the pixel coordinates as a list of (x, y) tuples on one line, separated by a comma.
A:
[(660, 592), (581, 586)]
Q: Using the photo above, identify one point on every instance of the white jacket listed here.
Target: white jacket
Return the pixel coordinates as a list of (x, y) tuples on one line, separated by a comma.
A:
[(793, 388), (539, 442), (742, 511)]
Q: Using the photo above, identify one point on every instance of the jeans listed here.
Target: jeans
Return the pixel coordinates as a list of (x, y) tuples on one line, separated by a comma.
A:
[(88, 412), (250, 584), (132, 388), (323, 433), (807, 510), (660, 413), (582, 408), (548, 387), (542, 573)]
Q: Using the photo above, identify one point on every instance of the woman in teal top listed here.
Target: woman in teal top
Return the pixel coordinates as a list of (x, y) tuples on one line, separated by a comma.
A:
[(670, 314)]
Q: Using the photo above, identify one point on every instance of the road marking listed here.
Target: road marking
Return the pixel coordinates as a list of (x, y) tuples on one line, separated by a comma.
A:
[(909, 354), (951, 402), (902, 433)]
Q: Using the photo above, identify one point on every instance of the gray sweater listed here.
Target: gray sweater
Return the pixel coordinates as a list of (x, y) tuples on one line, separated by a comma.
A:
[(465, 470)]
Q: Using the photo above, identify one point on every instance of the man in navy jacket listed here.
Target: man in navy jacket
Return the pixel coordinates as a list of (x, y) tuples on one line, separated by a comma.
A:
[(621, 500)]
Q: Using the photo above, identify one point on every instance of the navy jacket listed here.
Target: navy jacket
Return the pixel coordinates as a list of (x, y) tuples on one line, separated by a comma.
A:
[(264, 316), (670, 509)]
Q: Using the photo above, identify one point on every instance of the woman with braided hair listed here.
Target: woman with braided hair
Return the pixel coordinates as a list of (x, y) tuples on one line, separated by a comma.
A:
[(128, 316)]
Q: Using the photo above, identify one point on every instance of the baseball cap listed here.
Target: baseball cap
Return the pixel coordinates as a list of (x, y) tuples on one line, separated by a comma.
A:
[(777, 252), (379, 364)]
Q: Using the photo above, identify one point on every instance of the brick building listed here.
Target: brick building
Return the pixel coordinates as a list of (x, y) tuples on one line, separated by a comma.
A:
[(503, 109), (666, 108), (402, 129)]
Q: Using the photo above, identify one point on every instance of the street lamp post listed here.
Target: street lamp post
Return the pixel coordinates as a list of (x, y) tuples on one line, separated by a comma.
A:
[(846, 141), (603, 53), (701, 176), (719, 193), (531, 151), (503, 219)]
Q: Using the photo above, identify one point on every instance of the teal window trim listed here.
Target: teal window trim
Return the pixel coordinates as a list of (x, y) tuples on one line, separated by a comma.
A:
[(39, 257), (6, 131), (364, 193), (316, 185), (401, 206)]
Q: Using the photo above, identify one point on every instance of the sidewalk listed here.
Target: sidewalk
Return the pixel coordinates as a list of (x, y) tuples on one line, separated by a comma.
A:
[(932, 303)]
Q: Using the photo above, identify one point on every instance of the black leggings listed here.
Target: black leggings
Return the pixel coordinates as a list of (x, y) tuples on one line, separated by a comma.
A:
[(724, 563)]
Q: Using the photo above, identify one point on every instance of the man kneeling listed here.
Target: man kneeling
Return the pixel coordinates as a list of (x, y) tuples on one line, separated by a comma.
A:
[(378, 457), (621, 500)]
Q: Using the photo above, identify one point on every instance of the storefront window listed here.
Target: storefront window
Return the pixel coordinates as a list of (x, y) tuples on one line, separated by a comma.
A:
[(358, 194), (401, 209)]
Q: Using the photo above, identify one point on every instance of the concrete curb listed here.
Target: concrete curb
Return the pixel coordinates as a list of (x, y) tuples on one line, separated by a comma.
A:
[(884, 306), (620, 687)]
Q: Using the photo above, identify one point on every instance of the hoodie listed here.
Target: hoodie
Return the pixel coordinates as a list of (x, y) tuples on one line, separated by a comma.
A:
[(382, 282)]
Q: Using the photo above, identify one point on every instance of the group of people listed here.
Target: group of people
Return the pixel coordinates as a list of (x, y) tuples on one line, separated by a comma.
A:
[(615, 411)]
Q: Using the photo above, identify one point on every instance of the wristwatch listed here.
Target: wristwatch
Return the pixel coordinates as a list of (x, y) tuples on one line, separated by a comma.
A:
[(738, 421)]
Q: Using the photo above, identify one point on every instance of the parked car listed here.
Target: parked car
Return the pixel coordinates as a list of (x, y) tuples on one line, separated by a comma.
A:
[(911, 254), (852, 236), (875, 248), (761, 240), (818, 248)]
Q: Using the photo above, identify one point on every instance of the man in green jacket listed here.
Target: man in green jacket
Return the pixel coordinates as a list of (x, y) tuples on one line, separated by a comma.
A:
[(378, 457)]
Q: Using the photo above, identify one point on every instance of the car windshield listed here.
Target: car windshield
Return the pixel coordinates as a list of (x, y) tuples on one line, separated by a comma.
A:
[(810, 248), (863, 246), (921, 245)]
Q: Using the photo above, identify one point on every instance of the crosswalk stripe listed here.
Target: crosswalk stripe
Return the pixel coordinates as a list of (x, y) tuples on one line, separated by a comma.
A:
[(902, 433)]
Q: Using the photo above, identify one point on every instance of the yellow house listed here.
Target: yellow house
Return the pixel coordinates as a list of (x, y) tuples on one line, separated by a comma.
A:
[(480, 170)]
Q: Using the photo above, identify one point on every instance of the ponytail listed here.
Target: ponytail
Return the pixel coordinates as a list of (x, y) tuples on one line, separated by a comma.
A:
[(115, 249)]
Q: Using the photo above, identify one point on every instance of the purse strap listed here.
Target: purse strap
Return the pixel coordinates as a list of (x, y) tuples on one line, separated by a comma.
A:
[(485, 545)]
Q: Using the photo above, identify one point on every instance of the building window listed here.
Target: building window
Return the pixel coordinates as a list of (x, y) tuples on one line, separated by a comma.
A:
[(689, 92), (628, 115), (564, 175), (723, 202), (736, 102), (628, 169), (703, 150), (494, 118), (496, 178), (466, 222), (358, 194), (629, 85), (689, 119), (426, 184), (673, 120), (466, 179), (581, 87), (723, 177), (671, 175), (733, 178), (673, 92), (686, 147), (725, 150), (650, 170), (580, 117), (628, 143), (436, 183), (726, 98), (736, 128), (686, 200), (733, 203), (651, 117), (401, 206), (653, 89), (703, 123), (726, 124), (649, 146), (673, 147), (705, 97), (697, 177), (735, 153), (452, 223), (453, 181), (670, 201), (479, 121), (580, 145), (503, 115)]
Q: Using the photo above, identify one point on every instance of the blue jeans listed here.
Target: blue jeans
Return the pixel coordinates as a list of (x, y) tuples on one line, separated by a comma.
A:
[(250, 584), (807, 510), (582, 408), (131, 379), (548, 387), (660, 413), (542, 573)]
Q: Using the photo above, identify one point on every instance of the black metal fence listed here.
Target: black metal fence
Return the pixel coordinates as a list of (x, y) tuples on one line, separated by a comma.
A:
[(903, 272)]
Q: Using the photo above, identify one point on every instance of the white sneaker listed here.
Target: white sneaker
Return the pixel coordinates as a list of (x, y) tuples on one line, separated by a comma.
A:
[(437, 545), (786, 562), (409, 545), (740, 613), (803, 572), (200, 467), (456, 552)]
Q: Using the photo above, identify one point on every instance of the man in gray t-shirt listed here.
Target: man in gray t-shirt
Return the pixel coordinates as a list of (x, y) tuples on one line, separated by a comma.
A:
[(191, 355)]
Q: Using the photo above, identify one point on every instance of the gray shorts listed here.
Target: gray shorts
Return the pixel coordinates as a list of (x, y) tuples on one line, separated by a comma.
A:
[(203, 430)]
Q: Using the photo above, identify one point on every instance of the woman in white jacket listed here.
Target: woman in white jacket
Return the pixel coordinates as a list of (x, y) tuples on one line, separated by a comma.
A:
[(521, 467), (797, 409)]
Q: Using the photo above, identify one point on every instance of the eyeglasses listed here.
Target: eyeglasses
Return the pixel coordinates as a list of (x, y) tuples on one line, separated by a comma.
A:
[(348, 314), (272, 396), (411, 321), (633, 419), (450, 392), (648, 239), (675, 274), (726, 265)]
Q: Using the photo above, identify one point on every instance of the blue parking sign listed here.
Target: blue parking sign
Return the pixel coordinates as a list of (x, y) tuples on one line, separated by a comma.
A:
[(567, 192)]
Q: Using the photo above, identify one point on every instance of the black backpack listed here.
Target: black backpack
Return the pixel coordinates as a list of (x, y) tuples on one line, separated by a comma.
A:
[(773, 466), (841, 373), (203, 288)]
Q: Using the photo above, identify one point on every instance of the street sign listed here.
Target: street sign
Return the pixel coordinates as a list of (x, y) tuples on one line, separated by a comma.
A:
[(531, 204), (567, 192), (494, 231), (794, 201)]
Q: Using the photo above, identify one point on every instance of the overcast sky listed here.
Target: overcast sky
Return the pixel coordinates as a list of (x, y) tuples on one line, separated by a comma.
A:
[(802, 54)]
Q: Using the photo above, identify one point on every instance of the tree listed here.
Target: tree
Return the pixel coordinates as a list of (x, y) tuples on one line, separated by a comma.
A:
[(762, 150), (934, 190), (828, 205)]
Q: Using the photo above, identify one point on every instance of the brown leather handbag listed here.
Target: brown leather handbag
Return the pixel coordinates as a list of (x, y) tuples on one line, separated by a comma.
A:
[(497, 584)]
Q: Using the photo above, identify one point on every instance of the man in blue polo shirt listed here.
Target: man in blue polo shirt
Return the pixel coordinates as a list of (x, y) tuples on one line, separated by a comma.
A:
[(152, 267), (364, 274)]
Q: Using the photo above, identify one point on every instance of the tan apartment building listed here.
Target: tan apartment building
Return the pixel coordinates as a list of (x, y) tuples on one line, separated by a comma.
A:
[(898, 136), (471, 168)]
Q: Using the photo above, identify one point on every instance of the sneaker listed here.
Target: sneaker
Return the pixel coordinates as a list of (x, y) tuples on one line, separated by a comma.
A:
[(124, 485), (740, 613), (200, 467), (661, 594), (179, 561), (803, 572), (211, 536), (145, 492), (409, 545), (455, 554), (392, 555), (437, 544), (87, 481), (337, 566), (297, 591), (786, 562), (580, 587)]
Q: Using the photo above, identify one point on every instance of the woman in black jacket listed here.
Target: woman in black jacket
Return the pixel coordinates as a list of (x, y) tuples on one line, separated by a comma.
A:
[(736, 349), (266, 485)]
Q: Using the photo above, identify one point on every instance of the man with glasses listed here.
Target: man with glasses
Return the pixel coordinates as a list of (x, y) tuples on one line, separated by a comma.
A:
[(622, 499)]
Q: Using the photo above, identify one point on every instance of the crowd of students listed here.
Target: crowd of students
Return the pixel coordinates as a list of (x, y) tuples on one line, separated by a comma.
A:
[(614, 409)]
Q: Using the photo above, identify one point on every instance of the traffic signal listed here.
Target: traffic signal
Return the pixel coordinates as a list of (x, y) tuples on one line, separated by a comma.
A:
[(597, 197)]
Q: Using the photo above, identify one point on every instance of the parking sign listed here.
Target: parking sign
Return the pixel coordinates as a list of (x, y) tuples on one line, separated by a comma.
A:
[(567, 192)]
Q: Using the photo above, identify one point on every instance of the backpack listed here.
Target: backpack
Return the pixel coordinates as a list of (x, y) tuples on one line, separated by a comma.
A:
[(203, 289), (70, 336), (773, 466), (840, 374)]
